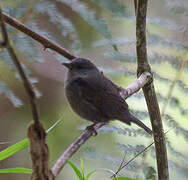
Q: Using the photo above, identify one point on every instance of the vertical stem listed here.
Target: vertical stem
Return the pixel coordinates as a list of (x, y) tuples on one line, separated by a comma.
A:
[(149, 92)]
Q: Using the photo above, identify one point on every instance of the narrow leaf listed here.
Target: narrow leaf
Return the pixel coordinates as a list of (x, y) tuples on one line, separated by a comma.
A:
[(82, 165), (76, 170), (16, 170), (13, 149), (89, 174)]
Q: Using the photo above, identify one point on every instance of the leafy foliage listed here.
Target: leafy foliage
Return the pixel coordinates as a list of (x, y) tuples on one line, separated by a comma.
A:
[(80, 174), (13, 149)]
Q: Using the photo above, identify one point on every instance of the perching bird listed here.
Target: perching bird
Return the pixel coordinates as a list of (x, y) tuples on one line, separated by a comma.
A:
[(94, 97)]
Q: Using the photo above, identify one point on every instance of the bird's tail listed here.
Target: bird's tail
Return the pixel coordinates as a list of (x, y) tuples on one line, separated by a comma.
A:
[(140, 123), (131, 118)]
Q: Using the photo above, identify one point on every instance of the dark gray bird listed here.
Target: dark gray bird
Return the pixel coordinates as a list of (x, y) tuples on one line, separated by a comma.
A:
[(94, 97)]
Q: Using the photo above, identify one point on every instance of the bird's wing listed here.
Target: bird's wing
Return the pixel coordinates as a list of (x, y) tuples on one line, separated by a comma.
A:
[(102, 97)]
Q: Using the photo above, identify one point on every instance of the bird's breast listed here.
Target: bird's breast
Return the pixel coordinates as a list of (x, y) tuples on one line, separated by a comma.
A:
[(78, 103)]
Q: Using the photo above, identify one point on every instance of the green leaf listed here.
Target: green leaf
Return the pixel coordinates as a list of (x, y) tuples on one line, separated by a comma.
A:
[(122, 178), (89, 174), (16, 170), (76, 170), (13, 149), (82, 165)]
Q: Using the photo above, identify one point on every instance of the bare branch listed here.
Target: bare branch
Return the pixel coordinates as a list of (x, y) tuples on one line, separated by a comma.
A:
[(149, 92), (86, 134), (41, 39), (136, 86)]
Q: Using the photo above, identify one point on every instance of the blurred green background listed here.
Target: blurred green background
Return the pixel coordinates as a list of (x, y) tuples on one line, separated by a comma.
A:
[(93, 29)]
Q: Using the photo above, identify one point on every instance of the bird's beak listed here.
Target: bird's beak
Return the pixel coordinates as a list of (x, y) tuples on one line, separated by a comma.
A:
[(67, 64)]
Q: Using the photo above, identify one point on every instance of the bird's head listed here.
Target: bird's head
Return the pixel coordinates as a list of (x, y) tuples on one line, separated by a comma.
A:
[(80, 66)]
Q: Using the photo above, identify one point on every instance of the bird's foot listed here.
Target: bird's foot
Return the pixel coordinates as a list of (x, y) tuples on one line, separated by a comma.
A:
[(92, 129)]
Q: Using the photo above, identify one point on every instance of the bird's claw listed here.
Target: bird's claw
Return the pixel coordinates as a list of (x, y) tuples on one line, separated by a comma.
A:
[(92, 129)]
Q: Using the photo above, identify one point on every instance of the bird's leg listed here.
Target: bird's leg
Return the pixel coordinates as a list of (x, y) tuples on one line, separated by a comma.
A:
[(92, 129)]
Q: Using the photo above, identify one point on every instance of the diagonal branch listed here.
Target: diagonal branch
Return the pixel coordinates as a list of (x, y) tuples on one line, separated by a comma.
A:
[(149, 92), (87, 133), (36, 132), (41, 39)]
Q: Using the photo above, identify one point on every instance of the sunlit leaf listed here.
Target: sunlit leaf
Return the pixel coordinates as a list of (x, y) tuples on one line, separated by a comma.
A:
[(13, 149)]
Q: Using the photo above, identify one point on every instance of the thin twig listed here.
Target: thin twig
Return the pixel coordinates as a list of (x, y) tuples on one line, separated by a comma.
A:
[(120, 167), (132, 88), (41, 39), (133, 158)]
